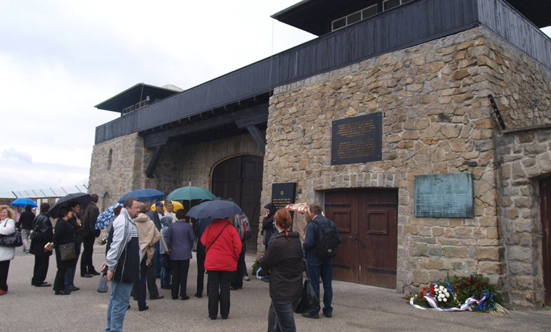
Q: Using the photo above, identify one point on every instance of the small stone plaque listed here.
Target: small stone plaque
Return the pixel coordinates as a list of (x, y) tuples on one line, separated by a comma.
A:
[(444, 196), (283, 194), (357, 139)]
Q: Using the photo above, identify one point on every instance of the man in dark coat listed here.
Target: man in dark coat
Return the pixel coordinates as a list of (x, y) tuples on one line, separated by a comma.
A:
[(88, 230), (41, 235), (317, 266), (26, 224)]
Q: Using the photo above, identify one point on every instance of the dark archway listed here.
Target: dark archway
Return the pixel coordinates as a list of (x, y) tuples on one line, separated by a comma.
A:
[(240, 179)]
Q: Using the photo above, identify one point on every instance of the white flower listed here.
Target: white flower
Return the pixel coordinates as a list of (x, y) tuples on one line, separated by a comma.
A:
[(445, 300)]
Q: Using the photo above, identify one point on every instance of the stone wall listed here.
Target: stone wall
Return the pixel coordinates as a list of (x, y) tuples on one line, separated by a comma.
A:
[(180, 166), (117, 167), (437, 119)]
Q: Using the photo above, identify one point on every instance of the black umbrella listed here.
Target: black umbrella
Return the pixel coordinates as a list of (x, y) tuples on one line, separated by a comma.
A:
[(217, 209), (81, 198)]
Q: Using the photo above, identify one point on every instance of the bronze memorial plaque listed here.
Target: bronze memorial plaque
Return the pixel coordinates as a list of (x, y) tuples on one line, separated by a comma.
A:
[(357, 139), (444, 195)]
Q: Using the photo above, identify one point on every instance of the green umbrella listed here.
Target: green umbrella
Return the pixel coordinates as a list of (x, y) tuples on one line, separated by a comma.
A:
[(189, 193)]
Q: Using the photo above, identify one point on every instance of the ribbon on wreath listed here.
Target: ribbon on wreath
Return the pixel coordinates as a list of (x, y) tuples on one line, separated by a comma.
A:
[(434, 304)]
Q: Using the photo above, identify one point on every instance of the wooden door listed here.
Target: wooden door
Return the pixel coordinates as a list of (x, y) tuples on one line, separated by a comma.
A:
[(545, 194), (342, 208), (240, 179), (367, 223)]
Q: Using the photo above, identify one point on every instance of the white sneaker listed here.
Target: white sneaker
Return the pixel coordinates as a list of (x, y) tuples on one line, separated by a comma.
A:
[(246, 278)]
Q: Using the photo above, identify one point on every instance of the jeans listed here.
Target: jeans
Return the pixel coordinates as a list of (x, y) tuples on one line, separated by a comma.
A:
[(70, 276), (317, 268), (165, 277), (25, 235), (281, 315), (118, 304), (219, 292)]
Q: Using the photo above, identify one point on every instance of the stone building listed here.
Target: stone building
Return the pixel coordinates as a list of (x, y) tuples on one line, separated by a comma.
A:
[(455, 87)]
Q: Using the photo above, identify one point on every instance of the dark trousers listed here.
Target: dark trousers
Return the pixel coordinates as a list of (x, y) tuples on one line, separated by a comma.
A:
[(219, 292), (59, 282), (317, 268), (281, 315), (157, 261), (86, 264), (179, 278), (200, 269), (151, 281), (139, 286), (4, 269), (237, 276), (41, 264)]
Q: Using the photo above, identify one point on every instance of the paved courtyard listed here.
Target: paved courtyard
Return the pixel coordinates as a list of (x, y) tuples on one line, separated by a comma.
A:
[(356, 308)]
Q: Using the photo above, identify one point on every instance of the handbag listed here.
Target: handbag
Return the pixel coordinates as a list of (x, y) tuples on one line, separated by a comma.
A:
[(13, 240), (194, 245), (310, 299), (67, 251), (102, 284)]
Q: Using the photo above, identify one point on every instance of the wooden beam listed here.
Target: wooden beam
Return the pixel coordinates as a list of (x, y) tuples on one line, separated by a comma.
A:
[(258, 137), (154, 161), (257, 112)]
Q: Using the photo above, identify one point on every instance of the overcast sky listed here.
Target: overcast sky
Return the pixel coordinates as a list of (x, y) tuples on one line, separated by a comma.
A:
[(59, 58)]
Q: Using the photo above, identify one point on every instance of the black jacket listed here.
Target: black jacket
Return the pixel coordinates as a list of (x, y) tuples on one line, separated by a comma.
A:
[(26, 220), (128, 267), (42, 234), (89, 218), (285, 260), (64, 233)]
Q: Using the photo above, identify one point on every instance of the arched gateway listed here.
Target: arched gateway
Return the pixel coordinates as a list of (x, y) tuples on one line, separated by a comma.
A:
[(240, 179)]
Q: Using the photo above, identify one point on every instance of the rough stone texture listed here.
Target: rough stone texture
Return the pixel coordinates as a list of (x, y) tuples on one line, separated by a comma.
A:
[(437, 119), (178, 166), (117, 167)]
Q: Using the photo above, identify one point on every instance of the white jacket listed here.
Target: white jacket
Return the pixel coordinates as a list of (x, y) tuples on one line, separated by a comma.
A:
[(7, 227)]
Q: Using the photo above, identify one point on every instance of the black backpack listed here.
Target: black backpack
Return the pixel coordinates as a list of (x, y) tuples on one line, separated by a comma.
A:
[(328, 240)]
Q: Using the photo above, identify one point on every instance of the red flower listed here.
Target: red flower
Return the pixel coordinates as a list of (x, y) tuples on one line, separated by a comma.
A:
[(424, 289), (421, 294)]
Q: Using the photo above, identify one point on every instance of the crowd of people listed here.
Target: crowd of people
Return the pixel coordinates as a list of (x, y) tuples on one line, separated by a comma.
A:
[(146, 244)]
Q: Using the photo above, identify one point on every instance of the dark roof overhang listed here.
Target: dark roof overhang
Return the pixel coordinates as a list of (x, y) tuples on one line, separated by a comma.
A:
[(312, 15), (134, 95)]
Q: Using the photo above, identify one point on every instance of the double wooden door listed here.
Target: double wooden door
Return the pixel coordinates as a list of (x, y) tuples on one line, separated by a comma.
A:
[(545, 194), (240, 179), (367, 223)]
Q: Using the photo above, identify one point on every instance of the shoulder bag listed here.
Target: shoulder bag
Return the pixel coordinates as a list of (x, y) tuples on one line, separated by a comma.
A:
[(217, 236), (13, 240), (67, 251)]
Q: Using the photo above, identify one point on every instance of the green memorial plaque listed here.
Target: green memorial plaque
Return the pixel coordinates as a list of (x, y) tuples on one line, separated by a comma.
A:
[(444, 196)]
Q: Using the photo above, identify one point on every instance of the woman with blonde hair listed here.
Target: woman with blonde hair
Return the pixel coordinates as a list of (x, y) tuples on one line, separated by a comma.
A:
[(7, 227), (284, 258)]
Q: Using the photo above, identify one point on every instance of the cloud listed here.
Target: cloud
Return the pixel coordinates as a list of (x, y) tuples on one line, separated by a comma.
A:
[(11, 155)]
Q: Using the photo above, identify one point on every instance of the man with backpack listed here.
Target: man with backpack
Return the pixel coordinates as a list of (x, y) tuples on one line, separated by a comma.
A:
[(320, 246), (241, 224)]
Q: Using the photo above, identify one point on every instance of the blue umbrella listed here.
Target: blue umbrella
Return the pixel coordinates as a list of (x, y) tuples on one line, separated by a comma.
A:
[(22, 202), (217, 209), (106, 216), (144, 195)]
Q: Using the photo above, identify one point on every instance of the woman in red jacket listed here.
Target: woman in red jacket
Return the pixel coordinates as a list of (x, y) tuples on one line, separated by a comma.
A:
[(222, 249)]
